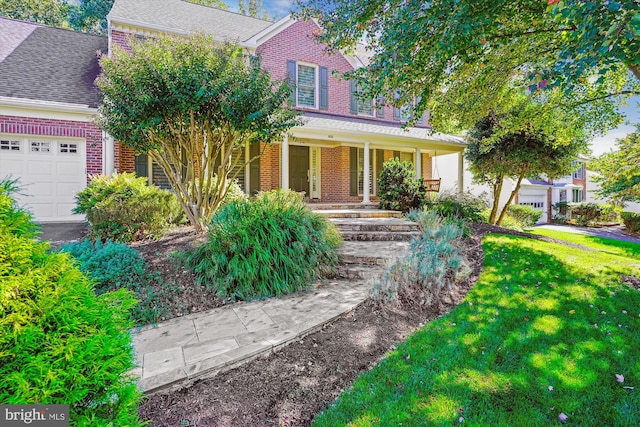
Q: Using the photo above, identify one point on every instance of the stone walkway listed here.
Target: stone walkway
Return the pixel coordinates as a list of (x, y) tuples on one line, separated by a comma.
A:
[(203, 344)]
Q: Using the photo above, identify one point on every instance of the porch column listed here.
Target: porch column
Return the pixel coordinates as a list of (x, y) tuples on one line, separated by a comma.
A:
[(460, 173), (284, 164), (418, 164), (366, 184), (108, 154)]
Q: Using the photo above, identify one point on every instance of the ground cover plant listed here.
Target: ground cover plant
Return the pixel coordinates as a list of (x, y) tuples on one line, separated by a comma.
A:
[(547, 335), (271, 245), (59, 342)]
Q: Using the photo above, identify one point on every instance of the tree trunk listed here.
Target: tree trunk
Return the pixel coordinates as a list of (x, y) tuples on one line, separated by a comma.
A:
[(497, 190), (511, 197), (635, 69)]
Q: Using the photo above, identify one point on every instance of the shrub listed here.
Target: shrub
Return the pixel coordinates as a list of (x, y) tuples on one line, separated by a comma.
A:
[(271, 245), (631, 221), (14, 219), (435, 262), (525, 215), (585, 213), (466, 206), (398, 187), (124, 208), (59, 342), (112, 265)]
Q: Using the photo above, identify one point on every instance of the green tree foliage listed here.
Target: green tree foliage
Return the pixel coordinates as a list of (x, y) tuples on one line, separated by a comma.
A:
[(90, 16), (398, 187), (253, 8), (193, 106), (463, 58), (620, 170), (213, 3), (516, 154), (49, 12)]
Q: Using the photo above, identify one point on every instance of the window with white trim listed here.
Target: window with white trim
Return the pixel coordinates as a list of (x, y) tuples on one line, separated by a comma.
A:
[(40, 147), (577, 196), (307, 86), (580, 172), (9, 145), (69, 148)]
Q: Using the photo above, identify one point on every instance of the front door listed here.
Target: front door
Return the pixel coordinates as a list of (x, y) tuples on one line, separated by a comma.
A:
[(299, 169)]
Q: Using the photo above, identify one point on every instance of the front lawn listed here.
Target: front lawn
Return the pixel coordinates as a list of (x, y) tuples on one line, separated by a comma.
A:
[(548, 332)]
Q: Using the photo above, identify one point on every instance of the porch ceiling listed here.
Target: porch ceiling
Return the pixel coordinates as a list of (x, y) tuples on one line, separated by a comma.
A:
[(334, 132)]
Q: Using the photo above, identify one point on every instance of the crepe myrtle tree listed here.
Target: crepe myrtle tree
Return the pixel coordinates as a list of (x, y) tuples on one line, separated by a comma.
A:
[(517, 154), (193, 105), (462, 59)]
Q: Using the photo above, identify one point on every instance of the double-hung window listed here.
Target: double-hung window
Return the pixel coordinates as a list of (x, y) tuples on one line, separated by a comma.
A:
[(309, 85), (358, 105)]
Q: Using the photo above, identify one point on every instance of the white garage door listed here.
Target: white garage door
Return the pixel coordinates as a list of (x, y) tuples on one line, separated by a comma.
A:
[(536, 202), (50, 173)]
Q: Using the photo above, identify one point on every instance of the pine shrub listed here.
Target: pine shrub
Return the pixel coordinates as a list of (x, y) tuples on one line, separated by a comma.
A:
[(59, 342), (123, 208), (271, 245), (112, 265), (398, 187), (434, 264)]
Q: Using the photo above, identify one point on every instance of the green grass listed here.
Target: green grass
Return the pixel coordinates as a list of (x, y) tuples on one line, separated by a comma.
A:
[(544, 331)]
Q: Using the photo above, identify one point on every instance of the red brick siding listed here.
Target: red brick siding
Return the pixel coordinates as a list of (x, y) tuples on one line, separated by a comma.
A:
[(269, 167), (126, 161), (121, 39), (427, 167), (335, 176), (297, 43), (60, 128)]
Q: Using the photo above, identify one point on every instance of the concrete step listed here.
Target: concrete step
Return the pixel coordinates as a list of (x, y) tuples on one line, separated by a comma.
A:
[(359, 272), (379, 236), (372, 253), (341, 206), (358, 213), (374, 224)]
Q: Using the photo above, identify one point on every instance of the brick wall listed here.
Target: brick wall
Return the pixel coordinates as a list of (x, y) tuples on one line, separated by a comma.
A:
[(121, 39), (60, 128), (126, 158), (269, 167), (335, 177), (297, 43), (427, 167)]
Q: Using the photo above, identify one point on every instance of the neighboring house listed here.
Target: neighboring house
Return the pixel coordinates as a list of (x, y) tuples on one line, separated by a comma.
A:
[(48, 100), (337, 155), (569, 189)]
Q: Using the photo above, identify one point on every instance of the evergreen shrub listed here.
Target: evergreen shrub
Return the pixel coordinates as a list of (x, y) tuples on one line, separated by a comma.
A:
[(271, 245), (631, 221), (123, 208), (398, 187), (525, 215), (59, 342)]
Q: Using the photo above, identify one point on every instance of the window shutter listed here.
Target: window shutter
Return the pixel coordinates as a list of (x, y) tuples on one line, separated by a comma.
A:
[(291, 71), (380, 107), (353, 171), (396, 110), (354, 101), (324, 88)]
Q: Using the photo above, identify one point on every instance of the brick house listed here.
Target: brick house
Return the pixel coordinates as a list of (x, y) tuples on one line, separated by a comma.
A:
[(339, 151), (47, 102)]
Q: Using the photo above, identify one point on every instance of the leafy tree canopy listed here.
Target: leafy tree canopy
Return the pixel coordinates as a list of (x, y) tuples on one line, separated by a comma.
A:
[(620, 170), (193, 106), (463, 58), (48, 12), (90, 16), (518, 153)]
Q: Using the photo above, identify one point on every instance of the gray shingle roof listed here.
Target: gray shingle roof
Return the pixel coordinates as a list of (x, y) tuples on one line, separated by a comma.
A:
[(51, 64), (184, 17), (12, 33)]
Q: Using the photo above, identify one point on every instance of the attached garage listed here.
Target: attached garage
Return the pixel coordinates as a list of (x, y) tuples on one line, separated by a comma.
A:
[(50, 173), (534, 193)]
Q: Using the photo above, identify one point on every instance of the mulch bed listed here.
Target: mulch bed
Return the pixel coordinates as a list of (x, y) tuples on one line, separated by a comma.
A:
[(290, 386)]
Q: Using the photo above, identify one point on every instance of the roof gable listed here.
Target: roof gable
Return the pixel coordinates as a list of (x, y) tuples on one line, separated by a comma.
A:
[(182, 17), (51, 64), (12, 33)]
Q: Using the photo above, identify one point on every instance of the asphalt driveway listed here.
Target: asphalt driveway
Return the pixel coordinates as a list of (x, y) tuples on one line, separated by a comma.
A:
[(614, 232), (59, 233)]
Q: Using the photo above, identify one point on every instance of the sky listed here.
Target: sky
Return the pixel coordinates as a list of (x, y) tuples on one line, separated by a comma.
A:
[(606, 143), (279, 8)]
